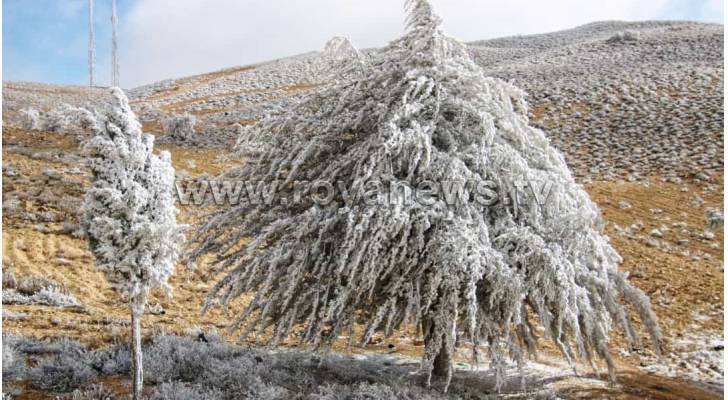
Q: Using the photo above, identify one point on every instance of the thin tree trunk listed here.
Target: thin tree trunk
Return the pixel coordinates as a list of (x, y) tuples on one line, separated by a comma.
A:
[(441, 365), (136, 345)]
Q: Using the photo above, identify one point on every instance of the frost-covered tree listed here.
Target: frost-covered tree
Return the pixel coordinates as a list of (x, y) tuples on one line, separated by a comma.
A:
[(180, 126), (91, 44), (129, 215), (422, 112), (340, 49)]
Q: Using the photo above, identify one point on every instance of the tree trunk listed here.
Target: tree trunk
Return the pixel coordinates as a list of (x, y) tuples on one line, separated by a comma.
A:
[(441, 365), (136, 346)]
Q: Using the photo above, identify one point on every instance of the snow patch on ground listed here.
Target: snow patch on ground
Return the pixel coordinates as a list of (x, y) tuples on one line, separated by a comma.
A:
[(696, 357)]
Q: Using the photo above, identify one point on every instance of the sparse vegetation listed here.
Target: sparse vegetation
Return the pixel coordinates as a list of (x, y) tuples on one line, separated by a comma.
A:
[(63, 372)]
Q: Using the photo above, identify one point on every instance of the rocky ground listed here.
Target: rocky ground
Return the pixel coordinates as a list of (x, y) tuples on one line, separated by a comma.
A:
[(637, 108)]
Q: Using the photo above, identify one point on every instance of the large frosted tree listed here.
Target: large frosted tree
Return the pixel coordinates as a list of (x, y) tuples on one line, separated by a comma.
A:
[(129, 214), (484, 272)]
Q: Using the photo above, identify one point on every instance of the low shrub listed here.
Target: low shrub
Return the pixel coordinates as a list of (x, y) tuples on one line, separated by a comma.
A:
[(180, 126), (62, 373), (94, 392), (185, 391), (38, 291)]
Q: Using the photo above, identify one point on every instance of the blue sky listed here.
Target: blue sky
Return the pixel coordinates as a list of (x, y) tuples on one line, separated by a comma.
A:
[(46, 40)]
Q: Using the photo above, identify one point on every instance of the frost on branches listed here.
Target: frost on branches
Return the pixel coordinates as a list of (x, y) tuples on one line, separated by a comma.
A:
[(423, 111), (340, 49), (129, 212)]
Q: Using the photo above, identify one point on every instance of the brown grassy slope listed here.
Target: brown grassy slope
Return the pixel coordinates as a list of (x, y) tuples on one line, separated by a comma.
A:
[(687, 292)]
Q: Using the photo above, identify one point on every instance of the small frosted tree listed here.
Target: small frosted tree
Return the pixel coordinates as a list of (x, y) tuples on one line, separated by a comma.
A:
[(129, 214), (422, 111), (341, 49)]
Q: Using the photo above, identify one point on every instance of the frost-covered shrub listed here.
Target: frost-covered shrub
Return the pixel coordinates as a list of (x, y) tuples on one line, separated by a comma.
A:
[(64, 118), (217, 365), (714, 218), (39, 291), (623, 37), (14, 367), (29, 118), (366, 391), (180, 127), (36, 347), (9, 280), (55, 296), (185, 391), (53, 121), (128, 213), (22, 344), (33, 284), (232, 372), (62, 373), (422, 111), (78, 121), (149, 112), (173, 358), (94, 392), (240, 375), (11, 206), (113, 360)]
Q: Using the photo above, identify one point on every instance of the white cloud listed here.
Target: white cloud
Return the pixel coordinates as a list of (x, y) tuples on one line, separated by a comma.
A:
[(172, 38)]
